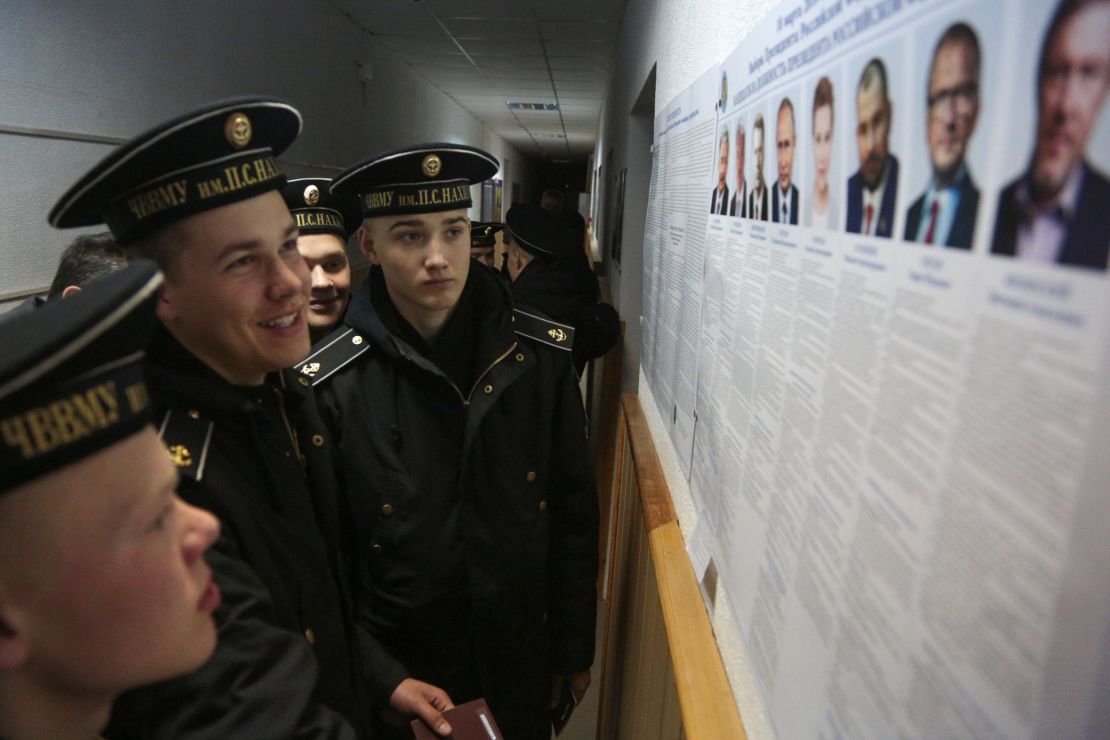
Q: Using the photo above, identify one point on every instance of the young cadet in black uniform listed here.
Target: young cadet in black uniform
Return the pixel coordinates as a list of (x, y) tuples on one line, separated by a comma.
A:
[(324, 223), (467, 463), (483, 241), (103, 584), (550, 273), (200, 195)]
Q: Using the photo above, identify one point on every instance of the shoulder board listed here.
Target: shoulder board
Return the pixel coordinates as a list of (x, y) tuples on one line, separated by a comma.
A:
[(187, 436), (543, 329), (334, 351)]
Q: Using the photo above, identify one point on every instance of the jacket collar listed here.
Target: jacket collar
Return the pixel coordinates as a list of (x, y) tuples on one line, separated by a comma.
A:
[(487, 317), (176, 372)]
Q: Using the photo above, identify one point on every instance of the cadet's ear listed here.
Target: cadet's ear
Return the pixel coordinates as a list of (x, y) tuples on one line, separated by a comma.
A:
[(14, 645), (166, 308), (366, 244)]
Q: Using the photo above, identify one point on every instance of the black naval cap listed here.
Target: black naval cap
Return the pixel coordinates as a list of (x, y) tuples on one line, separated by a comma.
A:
[(319, 211), (481, 233), (211, 157), (540, 232), (71, 379), (418, 179)]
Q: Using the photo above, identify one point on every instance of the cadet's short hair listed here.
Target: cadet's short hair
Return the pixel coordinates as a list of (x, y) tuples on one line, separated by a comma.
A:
[(87, 258), (161, 247)]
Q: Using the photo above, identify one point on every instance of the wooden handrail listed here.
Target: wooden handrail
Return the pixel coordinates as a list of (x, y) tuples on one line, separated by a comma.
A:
[(652, 484), (708, 707)]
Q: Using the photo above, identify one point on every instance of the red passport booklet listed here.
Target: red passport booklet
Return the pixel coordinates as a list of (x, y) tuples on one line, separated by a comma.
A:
[(470, 721)]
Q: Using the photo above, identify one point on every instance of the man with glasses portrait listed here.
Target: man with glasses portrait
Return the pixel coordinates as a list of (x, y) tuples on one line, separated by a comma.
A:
[(945, 213)]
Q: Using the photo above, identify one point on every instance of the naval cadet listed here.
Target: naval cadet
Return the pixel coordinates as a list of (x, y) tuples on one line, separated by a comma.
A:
[(483, 242), (200, 195), (551, 274), (103, 584), (466, 459), (324, 223)]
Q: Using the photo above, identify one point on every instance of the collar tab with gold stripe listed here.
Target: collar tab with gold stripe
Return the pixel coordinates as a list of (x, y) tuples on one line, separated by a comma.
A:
[(331, 354), (542, 329), (188, 437)]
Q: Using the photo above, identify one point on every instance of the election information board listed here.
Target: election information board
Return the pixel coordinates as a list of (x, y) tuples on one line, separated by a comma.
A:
[(876, 322)]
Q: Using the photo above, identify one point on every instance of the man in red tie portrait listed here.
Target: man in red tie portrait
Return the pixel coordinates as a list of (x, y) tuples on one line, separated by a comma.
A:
[(873, 189)]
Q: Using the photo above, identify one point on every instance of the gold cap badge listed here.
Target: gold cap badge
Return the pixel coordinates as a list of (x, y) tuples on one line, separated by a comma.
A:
[(238, 130), (557, 334), (180, 456), (432, 165), (311, 195)]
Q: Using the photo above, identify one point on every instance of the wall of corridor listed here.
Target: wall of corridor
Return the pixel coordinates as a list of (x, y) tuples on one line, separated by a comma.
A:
[(81, 76)]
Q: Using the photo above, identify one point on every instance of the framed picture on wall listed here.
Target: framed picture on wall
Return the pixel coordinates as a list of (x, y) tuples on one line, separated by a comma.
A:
[(618, 218), (485, 211)]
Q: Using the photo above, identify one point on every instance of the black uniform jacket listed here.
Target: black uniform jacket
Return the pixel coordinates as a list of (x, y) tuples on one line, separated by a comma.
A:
[(284, 665), (470, 481), (566, 289)]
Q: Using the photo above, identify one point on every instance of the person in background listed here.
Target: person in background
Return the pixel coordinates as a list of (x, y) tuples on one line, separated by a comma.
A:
[(103, 584), (466, 460), (822, 212), (547, 276), (88, 258), (1058, 211), (554, 201), (945, 213), (199, 194), (483, 241), (324, 223)]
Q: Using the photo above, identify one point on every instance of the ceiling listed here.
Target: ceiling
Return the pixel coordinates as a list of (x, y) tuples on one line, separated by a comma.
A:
[(487, 53)]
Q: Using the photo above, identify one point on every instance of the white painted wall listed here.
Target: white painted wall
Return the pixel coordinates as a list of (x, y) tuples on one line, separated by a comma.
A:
[(113, 68), (680, 39)]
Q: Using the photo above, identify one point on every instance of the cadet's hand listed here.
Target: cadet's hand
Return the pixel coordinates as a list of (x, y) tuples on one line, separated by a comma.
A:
[(579, 682), (414, 698)]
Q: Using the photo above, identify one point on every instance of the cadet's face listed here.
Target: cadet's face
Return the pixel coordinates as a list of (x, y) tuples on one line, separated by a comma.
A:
[(1072, 89), (425, 258), (330, 273), (238, 294), (483, 255), (872, 133), (552, 205), (784, 136), (953, 106), (108, 588), (822, 145)]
